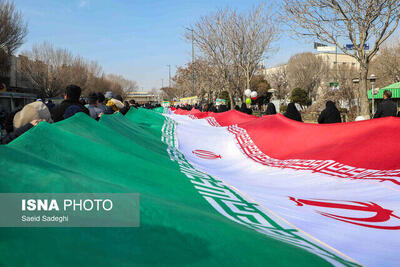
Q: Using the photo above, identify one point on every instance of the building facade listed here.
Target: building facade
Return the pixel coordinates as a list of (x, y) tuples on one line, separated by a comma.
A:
[(143, 97), (16, 91)]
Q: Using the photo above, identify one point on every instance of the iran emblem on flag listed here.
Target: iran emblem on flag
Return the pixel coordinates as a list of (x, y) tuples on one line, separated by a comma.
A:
[(205, 154)]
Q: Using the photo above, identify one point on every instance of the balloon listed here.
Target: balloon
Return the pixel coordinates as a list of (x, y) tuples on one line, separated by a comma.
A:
[(248, 101), (247, 92), (253, 95)]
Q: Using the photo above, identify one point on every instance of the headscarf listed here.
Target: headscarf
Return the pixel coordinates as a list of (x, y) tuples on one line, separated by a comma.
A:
[(271, 110), (109, 95), (330, 114), (119, 97), (330, 108), (243, 108), (246, 110), (33, 111), (292, 112), (115, 104)]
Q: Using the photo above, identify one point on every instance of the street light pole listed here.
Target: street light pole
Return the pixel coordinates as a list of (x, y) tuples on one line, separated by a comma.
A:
[(162, 83), (193, 62), (356, 81), (169, 75), (192, 59), (372, 79)]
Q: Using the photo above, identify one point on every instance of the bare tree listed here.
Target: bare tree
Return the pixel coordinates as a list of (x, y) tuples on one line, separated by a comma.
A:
[(46, 68), (13, 29), (306, 71), (126, 85), (278, 80), (51, 69), (234, 44), (334, 21), (208, 79), (211, 37), (250, 39), (170, 93), (386, 65), (347, 92)]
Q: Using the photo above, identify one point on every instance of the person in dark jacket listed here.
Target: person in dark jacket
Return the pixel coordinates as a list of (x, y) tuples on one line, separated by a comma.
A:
[(94, 111), (330, 114), (245, 109), (50, 105), (71, 111), (387, 107), (125, 109), (9, 120), (17, 132), (212, 108), (72, 95), (222, 108), (271, 110), (292, 113)]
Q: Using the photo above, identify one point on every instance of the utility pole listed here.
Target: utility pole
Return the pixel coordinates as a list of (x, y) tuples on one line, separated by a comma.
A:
[(169, 75), (162, 83), (336, 65), (193, 88)]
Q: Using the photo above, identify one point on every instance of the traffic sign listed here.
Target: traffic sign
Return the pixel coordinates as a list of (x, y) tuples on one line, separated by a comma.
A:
[(351, 46)]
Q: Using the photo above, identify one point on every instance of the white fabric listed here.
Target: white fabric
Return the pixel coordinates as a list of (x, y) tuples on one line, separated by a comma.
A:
[(272, 187)]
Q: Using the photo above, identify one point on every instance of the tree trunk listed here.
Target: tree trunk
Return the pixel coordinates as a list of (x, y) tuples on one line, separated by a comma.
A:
[(230, 94), (364, 103)]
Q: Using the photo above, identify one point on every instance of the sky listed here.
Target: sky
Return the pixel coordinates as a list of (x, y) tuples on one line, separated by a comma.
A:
[(136, 39)]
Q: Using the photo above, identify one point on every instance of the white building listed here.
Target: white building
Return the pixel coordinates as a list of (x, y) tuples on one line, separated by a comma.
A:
[(143, 97), (329, 58)]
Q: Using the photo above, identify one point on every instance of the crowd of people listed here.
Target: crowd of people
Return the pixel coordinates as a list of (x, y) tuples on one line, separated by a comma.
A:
[(95, 105), (330, 114)]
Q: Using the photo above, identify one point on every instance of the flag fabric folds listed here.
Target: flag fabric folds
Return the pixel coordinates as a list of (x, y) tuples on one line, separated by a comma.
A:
[(338, 183), (213, 190)]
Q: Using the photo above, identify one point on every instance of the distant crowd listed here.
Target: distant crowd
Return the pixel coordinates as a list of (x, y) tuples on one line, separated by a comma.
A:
[(19, 121), (330, 114)]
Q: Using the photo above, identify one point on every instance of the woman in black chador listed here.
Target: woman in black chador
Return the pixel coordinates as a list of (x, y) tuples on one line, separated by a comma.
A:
[(330, 114), (271, 110), (292, 113)]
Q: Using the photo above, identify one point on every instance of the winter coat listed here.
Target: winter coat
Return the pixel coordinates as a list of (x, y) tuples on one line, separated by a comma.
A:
[(292, 113), (14, 134), (94, 111), (386, 108), (57, 113)]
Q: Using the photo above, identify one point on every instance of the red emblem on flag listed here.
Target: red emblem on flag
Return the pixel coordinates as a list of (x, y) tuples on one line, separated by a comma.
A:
[(380, 218), (204, 154)]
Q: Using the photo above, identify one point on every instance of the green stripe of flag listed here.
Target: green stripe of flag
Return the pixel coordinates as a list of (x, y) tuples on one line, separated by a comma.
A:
[(183, 214)]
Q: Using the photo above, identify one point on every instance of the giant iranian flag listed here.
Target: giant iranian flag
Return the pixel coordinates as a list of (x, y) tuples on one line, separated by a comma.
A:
[(215, 189)]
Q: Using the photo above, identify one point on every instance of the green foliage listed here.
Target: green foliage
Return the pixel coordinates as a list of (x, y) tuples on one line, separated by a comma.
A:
[(260, 85), (300, 96)]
